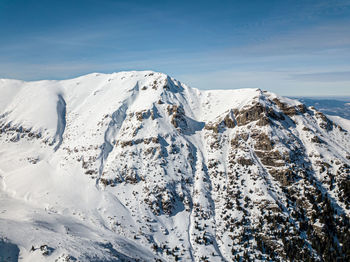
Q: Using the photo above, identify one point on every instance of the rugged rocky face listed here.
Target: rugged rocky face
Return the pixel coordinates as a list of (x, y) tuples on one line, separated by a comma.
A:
[(136, 166)]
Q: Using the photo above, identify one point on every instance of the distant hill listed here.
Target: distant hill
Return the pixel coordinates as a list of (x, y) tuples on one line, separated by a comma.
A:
[(335, 106)]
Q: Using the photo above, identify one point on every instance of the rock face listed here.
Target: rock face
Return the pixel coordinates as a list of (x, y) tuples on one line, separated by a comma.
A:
[(136, 166)]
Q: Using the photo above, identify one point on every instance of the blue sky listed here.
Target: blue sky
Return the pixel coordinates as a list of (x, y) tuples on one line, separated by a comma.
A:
[(288, 47)]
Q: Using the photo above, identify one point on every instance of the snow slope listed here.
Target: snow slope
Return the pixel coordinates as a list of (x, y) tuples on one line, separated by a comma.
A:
[(136, 166)]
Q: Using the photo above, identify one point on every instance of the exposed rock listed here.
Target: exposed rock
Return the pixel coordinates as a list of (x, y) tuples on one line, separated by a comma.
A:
[(177, 114), (263, 142), (250, 114), (284, 176), (244, 161), (229, 122), (326, 123), (264, 121), (316, 139), (270, 158), (290, 110)]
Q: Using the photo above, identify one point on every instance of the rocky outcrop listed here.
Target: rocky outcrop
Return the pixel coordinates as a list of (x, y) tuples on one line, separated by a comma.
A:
[(177, 114), (250, 114), (290, 110)]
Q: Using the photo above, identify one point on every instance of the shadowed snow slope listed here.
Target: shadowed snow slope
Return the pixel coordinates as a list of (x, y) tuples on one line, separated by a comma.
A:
[(136, 166)]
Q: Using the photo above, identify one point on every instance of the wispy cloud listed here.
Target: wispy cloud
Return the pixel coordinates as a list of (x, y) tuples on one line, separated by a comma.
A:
[(323, 77)]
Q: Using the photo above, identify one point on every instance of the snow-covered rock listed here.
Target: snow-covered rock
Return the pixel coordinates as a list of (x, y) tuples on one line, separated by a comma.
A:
[(136, 166)]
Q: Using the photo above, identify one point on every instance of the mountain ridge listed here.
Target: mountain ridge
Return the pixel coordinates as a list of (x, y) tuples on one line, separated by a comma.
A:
[(171, 172)]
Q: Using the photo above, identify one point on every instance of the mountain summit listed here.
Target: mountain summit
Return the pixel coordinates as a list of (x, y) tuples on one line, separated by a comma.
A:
[(136, 166)]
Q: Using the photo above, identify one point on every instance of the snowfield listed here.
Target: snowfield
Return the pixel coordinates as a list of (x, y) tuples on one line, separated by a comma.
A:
[(136, 166)]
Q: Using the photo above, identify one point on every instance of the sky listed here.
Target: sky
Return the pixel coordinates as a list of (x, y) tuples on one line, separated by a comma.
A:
[(294, 48)]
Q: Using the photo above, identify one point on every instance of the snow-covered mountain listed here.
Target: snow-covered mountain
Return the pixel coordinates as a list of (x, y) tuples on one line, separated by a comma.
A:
[(136, 166)]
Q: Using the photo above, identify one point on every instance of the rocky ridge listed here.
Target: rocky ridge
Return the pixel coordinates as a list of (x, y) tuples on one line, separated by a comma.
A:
[(173, 172)]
